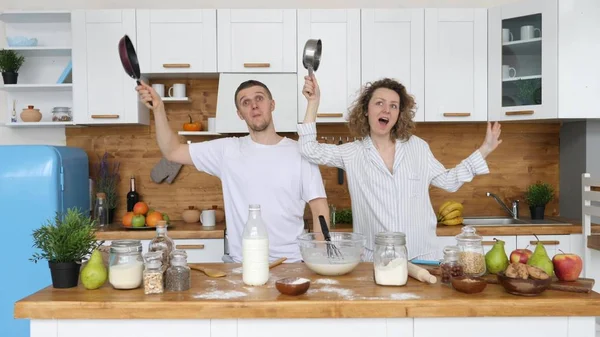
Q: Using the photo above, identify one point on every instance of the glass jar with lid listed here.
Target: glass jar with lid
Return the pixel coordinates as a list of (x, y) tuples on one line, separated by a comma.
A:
[(153, 277), (471, 255), (162, 242), (125, 266), (390, 259), (178, 276), (450, 266)]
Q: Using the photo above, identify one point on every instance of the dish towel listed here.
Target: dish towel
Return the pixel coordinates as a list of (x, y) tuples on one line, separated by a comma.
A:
[(165, 169)]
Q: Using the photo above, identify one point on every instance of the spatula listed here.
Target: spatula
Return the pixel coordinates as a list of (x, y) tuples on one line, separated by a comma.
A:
[(209, 272)]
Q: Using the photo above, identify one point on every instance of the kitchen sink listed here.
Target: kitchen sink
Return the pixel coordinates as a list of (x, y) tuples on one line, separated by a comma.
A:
[(506, 221)]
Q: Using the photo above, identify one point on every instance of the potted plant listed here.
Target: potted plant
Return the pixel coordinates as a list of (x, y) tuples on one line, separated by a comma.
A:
[(107, 181), (537, 196), (64, 243), (10, 63)]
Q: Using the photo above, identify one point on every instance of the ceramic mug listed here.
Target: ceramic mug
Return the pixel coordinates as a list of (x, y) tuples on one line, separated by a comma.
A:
[(507, 35), (177, 90), (506, 69), (528, 32), (207, 218), (160, 89)]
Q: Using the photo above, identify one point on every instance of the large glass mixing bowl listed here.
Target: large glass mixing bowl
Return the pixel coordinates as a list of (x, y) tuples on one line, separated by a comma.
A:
[(313, 248)]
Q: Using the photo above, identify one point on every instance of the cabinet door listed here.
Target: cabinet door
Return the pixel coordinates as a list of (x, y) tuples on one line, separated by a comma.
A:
[(552, 243), (284, 89), (202, 250), (455, 64), (177, 41), (393, 45), (257, 40), (102, 92), (522, 68), (339, 70)]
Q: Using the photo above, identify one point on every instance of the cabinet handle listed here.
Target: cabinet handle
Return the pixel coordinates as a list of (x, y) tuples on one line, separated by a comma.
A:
[(105, 116), (457, 114), (176, 65), (189, 246), (257, 65), (546, 243), (520, 112), (330, 115), (488, 243)]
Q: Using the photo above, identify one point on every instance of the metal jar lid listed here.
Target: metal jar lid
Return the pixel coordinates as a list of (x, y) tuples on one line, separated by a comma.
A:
[(126, 246), (390, 238)]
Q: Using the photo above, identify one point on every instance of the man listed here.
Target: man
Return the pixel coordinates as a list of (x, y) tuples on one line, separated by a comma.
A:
[(261, 168)]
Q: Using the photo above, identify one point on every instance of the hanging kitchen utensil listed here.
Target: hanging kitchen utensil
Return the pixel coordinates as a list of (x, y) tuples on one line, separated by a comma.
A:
[(312, 55), (340, 171), (129, 59)]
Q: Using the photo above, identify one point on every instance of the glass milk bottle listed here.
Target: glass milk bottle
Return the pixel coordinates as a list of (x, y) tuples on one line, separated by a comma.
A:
[(255, 249)]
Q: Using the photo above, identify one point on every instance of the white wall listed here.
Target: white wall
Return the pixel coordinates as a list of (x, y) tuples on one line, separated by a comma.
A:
[(56, 136)]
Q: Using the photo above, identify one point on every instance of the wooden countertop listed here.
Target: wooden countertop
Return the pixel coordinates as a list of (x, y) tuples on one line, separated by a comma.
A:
[(177, 230), (354, 295)]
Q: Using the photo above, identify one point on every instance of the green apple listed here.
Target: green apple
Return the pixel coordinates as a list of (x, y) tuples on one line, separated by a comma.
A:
[(138, 221)]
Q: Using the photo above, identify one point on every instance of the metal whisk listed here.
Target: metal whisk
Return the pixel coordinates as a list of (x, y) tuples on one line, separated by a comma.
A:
[(333, 252)]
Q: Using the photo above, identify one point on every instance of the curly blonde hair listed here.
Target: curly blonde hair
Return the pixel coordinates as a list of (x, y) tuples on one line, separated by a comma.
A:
[(359, 121)]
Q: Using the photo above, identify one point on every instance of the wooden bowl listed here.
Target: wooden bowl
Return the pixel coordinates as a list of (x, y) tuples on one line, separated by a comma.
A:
[(292, 286), (468, 284), (521, 287)]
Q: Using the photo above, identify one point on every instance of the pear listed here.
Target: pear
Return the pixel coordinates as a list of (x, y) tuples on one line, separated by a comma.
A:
[(94, 274), (496, 260), (540, 259)]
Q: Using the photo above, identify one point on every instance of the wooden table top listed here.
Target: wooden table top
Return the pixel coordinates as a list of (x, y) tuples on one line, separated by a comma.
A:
[(177, 230), (354, 295)]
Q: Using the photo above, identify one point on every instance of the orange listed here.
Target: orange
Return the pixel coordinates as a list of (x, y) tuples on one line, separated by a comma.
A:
[(140, 208), (153, 219), (127, 218)]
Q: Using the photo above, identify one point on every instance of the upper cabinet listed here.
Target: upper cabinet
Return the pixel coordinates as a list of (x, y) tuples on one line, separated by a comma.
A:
[(256, 40), (523, 69), (102, 92), (177, 41), (455, 64), (393, 46), (338, 74)]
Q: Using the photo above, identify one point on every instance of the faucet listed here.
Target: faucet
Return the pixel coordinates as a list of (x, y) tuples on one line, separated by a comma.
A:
[(515, 205)]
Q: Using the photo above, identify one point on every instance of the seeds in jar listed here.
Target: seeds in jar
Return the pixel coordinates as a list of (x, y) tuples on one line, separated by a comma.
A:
[(177, 278), (450, 270), (153, 283), (473, 263)]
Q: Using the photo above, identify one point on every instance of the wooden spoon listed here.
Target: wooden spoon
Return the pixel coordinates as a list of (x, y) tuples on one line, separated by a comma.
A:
[(209, 272), (277, 262)]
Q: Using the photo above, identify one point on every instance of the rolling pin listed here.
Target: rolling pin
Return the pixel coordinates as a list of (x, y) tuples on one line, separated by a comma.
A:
[(420, 274)]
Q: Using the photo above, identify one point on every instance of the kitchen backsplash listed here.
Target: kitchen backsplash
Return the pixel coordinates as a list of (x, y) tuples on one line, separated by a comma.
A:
[(529, 152)]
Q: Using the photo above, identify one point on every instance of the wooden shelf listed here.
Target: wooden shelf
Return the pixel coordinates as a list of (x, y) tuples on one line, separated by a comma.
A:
[(42, 51), (37, 87), (176, 99), (38, 124), (526, 47), (512, 79), (522, 42), (198, 133)]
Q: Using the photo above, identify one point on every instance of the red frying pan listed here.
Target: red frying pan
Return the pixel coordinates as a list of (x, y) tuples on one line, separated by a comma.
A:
[(129, 59)]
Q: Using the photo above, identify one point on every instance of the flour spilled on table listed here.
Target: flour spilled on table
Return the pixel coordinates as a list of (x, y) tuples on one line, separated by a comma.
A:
[(237, 270), (345, 293), (220, 295), (326, 281)]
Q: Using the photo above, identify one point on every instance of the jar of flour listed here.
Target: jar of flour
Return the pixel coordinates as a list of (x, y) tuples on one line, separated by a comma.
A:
[(390, 259)]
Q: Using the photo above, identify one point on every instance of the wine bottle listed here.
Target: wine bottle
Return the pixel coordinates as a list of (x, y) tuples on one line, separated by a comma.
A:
[(132, 197)]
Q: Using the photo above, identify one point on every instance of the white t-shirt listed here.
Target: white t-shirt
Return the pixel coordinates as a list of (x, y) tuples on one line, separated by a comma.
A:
[(276, 177)]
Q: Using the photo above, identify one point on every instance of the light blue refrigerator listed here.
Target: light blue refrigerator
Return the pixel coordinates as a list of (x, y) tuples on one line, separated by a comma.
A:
[(36, 181)]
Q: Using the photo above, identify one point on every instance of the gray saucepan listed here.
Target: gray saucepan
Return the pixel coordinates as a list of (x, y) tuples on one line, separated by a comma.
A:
[(312, 55)]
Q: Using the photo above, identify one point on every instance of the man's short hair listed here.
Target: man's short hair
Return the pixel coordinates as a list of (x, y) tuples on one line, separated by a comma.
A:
[(248, 84)]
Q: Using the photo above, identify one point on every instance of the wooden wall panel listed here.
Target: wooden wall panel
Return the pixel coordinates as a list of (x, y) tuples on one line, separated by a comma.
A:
[(529, 152)]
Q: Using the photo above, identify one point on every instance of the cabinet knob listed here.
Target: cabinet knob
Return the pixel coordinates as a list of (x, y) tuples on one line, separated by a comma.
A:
[(457, 114), (105, 116), (257, 65), (520, 112), (176, 65), (330, 114), (189, 246), (546, 243)]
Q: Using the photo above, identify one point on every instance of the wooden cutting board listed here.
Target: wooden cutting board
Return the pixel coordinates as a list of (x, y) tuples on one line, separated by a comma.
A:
[(582, 285)]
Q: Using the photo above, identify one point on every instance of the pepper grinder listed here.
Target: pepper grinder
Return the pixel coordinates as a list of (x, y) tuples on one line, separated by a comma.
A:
[(13, 118)]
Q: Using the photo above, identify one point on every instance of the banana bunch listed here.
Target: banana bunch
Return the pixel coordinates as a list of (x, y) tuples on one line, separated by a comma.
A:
[(450, 213)]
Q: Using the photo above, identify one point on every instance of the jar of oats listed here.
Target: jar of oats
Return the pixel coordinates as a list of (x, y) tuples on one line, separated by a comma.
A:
[(471, 255)]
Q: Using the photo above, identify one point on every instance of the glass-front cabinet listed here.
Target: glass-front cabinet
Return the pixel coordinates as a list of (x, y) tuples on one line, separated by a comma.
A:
[(523, 55)]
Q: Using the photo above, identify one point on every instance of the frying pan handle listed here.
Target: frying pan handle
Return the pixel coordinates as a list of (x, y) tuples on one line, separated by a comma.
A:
[(139, 83)]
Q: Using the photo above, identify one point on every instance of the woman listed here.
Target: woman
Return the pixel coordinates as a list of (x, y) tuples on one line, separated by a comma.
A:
[(389, 171)]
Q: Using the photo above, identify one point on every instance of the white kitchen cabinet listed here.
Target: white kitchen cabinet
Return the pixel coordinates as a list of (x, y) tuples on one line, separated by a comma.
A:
[(284, 89), (256, 40), (455, 64), (393, 45), (202, 250), (338, 74), (177, 40), (102, 92), (552, 243)]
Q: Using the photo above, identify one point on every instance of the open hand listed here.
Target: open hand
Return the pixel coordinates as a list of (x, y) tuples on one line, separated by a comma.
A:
[(491, 141), (147, 94), (311, 89)]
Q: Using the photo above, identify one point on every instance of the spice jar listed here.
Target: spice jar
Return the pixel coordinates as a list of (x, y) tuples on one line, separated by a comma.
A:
[(162, 242), (178, 276), (390, 259), (125, 266), (471, 255), (450, 265), (153, 278)]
